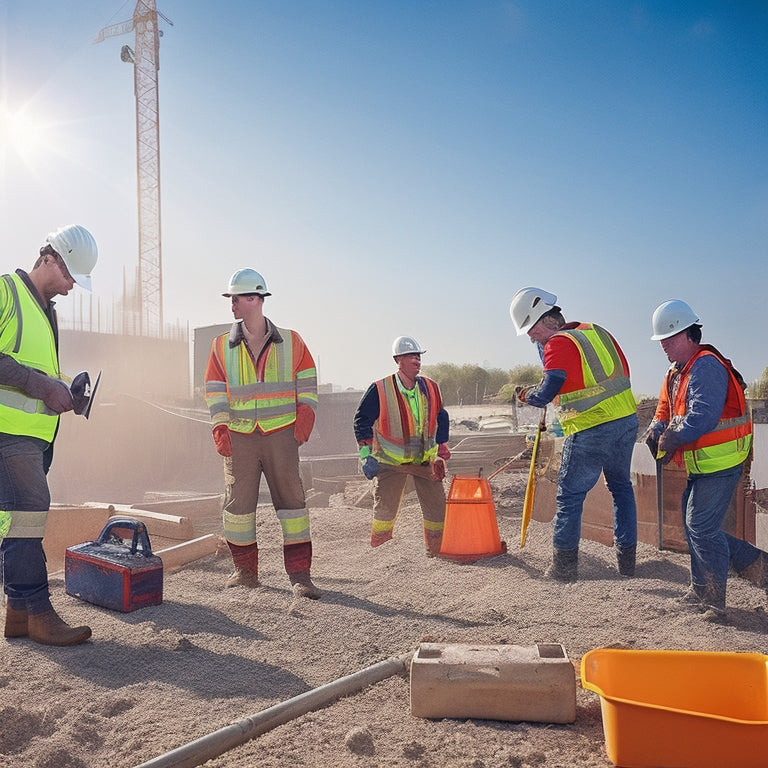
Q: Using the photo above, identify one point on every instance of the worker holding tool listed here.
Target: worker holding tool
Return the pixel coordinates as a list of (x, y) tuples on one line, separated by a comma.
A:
[(401, 429), (261, 390), (702, 423), (32, 396), (586, 370)]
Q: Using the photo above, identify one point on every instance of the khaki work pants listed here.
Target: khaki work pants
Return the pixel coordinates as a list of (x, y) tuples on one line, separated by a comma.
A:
[(388, 489)]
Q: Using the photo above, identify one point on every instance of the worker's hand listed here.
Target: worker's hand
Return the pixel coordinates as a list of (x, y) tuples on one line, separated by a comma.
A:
[(222, 440), (53, 392), (650, 439), (521, 392), (370, 467), (305, 420), (443, 451), (669, 442), (438, 468)]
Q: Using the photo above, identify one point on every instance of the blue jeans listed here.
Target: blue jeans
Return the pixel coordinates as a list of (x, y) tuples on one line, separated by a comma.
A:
[(705, 504), (24, 487), (606, 448)]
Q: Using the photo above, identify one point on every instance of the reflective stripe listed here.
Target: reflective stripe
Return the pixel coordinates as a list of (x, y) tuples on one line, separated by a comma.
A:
[(432, 525), (295, 525), (240, 529), (380, 527), (263, 393), (607, 394), (26, 524), (26, 335), (394, 441)]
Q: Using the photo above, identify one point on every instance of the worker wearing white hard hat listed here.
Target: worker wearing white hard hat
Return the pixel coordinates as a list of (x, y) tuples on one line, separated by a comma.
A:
[(261, 390), (32, 396), (702, 423), (402, 431), (586, 370)]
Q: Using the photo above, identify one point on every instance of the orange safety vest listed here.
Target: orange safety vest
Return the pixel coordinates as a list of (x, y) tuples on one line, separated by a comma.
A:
[(729, 443), (395, 438)]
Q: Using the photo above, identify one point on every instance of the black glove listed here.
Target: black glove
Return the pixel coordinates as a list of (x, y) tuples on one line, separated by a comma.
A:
[(53, 392), (370, 467), (652, 442)]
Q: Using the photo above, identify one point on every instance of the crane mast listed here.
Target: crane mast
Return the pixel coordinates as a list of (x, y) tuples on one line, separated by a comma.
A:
[(146, 64)]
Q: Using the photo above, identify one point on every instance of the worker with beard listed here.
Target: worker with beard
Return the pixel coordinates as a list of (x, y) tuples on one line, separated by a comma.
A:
[(402, 430)]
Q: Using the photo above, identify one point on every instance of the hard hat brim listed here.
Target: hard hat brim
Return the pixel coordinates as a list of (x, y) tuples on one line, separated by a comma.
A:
[(246, 293)]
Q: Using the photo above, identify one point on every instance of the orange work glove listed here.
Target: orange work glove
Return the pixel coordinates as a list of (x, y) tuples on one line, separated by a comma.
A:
[(443, 451), (221, 438), (305, 420)]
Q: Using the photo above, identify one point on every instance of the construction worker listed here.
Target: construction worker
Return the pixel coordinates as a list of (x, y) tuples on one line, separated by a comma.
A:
[(401, 429), (702, 423), (261, 390), (585, 369), (32, 395)]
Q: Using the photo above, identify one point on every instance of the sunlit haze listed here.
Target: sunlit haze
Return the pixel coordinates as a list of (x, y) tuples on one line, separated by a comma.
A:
[(398, 167)]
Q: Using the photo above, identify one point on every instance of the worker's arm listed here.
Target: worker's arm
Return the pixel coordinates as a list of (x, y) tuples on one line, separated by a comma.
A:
[(705, 398)]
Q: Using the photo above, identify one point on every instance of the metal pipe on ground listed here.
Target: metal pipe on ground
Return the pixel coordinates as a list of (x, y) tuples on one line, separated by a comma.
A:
[(217, 743)]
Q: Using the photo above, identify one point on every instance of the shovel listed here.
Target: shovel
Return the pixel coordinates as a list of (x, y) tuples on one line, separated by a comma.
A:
[(531, 487), (660, 498)]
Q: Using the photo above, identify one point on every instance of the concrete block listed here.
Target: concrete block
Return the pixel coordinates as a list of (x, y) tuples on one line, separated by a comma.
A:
[(494, 682)]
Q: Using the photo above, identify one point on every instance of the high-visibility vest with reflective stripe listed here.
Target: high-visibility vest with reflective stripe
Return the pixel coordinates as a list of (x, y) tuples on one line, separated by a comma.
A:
[(729, 443), (607, 393), (265, 395), (26, 336), (396, 438)]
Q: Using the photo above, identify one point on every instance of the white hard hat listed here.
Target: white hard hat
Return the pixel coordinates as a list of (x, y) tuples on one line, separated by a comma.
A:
[(527, 307), (406, 345), (247, 281), (78, 251), (670, 318)]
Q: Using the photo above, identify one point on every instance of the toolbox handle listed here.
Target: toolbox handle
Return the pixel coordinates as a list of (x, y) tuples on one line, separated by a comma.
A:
[(140, 535)]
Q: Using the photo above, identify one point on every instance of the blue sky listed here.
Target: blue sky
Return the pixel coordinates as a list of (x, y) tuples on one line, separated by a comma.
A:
[(398, 167)]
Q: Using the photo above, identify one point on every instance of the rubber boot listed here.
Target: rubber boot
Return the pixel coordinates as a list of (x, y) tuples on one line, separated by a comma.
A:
[(626, 560), (16, 622), (48, 628), (713, 603), (246, 560), (303, 586), (564, 565), (757, 571)]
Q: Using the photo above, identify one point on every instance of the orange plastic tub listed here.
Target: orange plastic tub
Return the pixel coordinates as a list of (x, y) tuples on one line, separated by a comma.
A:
[(471, 531), (681, 709)]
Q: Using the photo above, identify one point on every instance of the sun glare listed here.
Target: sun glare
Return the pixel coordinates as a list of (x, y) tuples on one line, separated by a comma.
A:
[(23, 134)]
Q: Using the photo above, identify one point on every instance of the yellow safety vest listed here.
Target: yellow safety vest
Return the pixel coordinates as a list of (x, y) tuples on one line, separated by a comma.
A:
[(607, 394), (263, 395), (26, 335)]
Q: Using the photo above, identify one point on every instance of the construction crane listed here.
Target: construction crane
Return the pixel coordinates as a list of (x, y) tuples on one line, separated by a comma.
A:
[(146, 63)]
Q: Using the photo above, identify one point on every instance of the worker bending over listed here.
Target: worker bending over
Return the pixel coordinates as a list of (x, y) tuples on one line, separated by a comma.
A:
[(585, 369)]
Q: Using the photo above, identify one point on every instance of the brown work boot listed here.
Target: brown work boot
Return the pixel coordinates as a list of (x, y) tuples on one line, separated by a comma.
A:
[(241, 578), (15, 622), (48, 628), (303, 586), (757, 572)]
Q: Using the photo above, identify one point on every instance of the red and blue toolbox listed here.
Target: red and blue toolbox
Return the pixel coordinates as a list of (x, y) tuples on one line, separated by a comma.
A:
[(117, 571)]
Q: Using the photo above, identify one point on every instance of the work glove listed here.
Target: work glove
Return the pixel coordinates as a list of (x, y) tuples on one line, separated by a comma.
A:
[(669, 442), (305, 420), (520, 393), (438, 468), (650, 439), (443, 451), (370, 467), (53, 392), (222, 440)]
